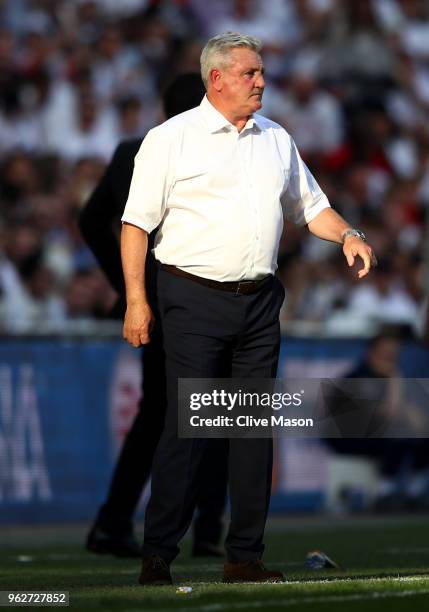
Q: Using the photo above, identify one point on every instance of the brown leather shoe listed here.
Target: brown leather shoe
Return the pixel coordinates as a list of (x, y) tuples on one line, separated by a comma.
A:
[(155, 571), (250, 571)]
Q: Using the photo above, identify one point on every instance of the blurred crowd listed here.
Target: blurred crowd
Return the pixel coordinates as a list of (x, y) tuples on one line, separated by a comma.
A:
[(348, 79)]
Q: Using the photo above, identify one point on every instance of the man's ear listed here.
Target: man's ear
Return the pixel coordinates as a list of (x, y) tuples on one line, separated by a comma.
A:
[(216, 79)]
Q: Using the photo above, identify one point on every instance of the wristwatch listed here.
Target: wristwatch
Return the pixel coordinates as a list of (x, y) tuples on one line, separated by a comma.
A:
[(354, 232)]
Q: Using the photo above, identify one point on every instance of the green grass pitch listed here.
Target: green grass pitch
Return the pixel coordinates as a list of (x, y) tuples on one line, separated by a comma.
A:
[(385, 566)]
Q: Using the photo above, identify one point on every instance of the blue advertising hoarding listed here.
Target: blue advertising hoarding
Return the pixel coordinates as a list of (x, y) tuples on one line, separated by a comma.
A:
[(66, 405)]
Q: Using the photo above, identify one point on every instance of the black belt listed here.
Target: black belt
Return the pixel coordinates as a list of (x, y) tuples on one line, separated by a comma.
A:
[(238, 287)]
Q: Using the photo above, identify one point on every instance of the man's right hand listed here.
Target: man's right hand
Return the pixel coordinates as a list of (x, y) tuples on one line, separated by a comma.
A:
[(138, 324)]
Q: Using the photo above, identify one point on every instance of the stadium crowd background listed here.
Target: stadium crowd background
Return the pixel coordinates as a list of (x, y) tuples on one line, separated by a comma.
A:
[(348, 79)]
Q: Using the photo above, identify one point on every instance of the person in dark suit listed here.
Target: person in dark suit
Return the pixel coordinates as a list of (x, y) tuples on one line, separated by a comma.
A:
[(112, 531)]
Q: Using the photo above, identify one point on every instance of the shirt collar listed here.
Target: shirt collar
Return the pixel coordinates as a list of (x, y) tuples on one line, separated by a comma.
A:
[(216, 121)]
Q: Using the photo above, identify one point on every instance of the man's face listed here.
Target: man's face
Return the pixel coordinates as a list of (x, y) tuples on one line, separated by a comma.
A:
[(242, 82)]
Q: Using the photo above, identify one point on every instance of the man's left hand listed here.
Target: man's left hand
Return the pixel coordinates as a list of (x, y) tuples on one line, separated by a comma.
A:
[(355, 247)]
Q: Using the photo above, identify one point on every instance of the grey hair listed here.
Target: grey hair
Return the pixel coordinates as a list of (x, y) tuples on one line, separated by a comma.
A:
[(216, 51)]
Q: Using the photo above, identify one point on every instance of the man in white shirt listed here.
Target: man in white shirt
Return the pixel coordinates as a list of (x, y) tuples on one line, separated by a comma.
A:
[(217, 179)]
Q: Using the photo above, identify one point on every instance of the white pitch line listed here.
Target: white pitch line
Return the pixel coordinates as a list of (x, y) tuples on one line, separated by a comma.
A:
[(325, 580), (415, 578), (315, 581), (298, 601)]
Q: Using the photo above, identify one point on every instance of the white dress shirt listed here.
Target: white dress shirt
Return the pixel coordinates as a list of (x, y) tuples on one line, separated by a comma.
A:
[(219, 195)]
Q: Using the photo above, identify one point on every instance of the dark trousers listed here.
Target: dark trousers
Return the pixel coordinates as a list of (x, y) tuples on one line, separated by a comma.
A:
[(210, 333), (134, 464)]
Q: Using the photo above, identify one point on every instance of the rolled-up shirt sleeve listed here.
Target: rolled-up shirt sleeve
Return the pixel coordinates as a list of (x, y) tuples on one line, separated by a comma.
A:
[(150, 183), (303, 199)]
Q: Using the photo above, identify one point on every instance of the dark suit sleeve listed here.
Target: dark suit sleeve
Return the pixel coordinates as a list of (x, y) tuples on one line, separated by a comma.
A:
[(103, 209)]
